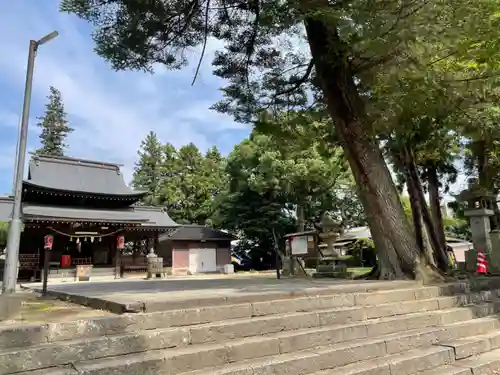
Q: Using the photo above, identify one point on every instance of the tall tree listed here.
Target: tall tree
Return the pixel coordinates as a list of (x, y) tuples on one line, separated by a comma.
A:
[(350, 43), (192, 180), (272, 175), (54, 126), (149, 169)]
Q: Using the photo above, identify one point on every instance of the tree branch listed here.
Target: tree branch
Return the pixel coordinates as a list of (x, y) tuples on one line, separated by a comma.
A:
[(205, 39), (297, 83)]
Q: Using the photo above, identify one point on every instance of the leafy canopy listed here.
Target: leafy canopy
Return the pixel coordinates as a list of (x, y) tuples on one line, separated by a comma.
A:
[(54, 126)]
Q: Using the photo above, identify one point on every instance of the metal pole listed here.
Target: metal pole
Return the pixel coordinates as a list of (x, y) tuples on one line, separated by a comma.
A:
[(14, 234), (46, 263), (17, 158)]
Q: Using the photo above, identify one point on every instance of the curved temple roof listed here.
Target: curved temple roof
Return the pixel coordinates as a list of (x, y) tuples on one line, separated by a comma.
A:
[(149, 217), (78, 175)]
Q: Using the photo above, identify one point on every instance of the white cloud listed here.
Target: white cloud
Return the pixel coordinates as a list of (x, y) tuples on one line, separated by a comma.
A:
[(110, 111)]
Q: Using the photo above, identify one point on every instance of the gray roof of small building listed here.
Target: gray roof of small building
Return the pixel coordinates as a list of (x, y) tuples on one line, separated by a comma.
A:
[(197, 233), (355, 234), (77, 175), (146, 216), (157, 216)]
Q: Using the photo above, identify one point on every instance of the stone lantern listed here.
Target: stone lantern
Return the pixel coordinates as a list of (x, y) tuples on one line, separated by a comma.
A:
[(479, 209), (330, 232), (330, 265)]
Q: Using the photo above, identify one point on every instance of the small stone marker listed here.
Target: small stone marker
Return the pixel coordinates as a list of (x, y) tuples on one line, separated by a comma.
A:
[(84, 272)]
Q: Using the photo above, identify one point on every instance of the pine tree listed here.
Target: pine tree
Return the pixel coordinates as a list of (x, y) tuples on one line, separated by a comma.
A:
[(54, 126), (148, 172)]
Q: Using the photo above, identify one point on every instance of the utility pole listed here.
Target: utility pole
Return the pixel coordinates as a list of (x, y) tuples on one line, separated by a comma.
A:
[(15, 225)]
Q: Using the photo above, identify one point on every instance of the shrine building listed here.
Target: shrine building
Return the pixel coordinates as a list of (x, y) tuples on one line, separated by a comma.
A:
[(90, 213)]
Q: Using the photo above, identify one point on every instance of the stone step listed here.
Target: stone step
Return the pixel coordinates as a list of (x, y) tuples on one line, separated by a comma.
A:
[(407, 363), (289, 290), (323, 309), (312, 298), (342, 342), (446, 370), (334, 357), (482, 364), (382, 366), (478, 326), (474, 345)]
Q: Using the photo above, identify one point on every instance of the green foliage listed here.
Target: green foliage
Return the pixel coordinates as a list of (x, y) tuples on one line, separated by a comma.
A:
[(363, 253), (277, 169), (183, 180), (193, 182), (294, 173), (456, 227), (405, 200), (4, 229), (148, 172), (54, 126)]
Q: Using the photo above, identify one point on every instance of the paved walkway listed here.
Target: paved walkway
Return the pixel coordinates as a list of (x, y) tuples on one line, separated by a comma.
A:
[(186, 291)]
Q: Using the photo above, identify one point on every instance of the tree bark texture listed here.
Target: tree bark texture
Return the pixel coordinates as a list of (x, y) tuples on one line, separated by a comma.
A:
[(435, 203), (416, 212), (301, 221), (439, 251), (394, 240), (421, 232)]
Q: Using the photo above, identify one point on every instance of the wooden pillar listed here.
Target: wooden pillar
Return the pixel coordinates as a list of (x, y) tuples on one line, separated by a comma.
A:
[(156, 242), (118, 259)]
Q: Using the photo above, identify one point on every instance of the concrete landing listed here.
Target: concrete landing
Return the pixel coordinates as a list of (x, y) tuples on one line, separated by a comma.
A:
[(154, 295)]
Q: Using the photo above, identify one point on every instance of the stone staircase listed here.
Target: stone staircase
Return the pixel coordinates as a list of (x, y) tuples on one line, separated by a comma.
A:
[(362, 329)]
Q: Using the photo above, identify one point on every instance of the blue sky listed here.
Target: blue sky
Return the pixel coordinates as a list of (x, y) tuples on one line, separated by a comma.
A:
[(110, 111)]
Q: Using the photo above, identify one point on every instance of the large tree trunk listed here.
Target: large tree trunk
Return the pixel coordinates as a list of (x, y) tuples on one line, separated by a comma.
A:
[(416, 212), (394, 240), (435, 203), (421, 232), (439, 250), (301, 221)]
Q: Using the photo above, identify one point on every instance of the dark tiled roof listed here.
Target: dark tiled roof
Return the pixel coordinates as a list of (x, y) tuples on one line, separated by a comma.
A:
[(82, 214), (77, 175), (147, 216), (197, 233), (157, 216)]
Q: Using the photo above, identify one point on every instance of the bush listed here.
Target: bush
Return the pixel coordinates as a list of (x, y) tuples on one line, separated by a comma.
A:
[(363, 253)]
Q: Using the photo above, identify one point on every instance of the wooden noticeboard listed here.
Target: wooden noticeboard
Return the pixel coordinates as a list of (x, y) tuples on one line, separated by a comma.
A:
[(299, 245), (84, 272)]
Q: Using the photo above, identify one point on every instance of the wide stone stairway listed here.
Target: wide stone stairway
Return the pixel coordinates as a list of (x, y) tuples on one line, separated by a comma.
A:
[(379, 328)]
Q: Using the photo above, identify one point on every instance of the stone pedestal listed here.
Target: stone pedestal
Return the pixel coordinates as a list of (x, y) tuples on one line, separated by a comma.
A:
[(287, 266), (494, 258), (155, 267), (480, 228), (470, 260)]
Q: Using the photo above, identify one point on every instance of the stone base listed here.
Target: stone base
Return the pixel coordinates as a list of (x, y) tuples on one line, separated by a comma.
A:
[(10, 305)]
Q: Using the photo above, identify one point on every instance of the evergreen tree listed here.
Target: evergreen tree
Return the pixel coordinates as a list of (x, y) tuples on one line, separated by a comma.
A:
[(149, 169), (54, 126)]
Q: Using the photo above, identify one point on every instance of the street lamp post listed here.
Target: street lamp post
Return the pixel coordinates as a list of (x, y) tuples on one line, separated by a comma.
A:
[(14, 234)]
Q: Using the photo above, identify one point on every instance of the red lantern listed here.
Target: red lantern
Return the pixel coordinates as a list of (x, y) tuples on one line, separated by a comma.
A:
[(48, 241), (120, 242)]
